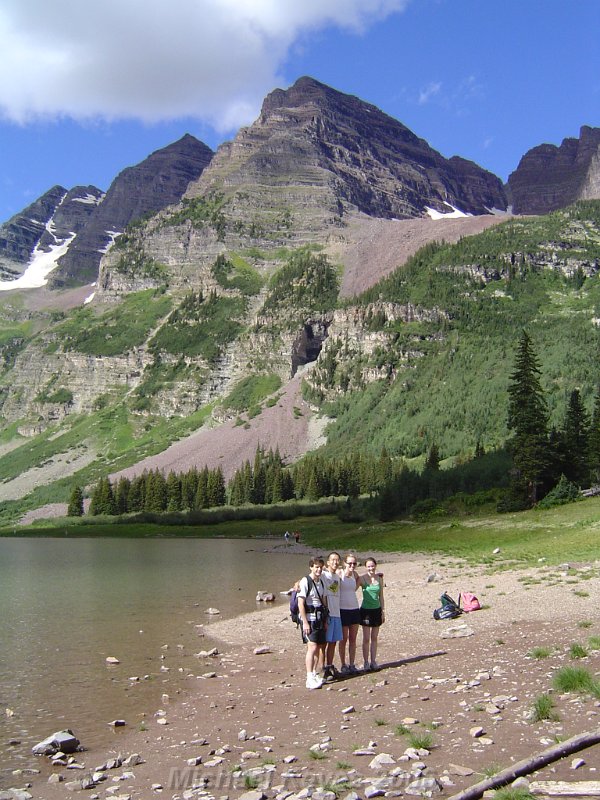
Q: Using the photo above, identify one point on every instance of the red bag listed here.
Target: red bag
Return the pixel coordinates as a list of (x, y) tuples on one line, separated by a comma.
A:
[(468, 602)]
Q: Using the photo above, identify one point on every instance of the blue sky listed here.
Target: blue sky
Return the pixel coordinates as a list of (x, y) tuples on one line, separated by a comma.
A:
[(89, 89)]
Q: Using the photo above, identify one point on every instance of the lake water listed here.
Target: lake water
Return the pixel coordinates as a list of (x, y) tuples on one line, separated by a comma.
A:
[(66, 605)]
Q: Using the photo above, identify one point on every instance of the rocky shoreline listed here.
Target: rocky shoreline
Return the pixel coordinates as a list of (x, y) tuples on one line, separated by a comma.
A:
[(452, 701)]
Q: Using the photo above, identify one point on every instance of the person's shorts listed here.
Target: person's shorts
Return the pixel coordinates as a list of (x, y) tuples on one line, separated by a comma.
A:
[(350, 616), (334, 630), (316, 636), (370, 617)]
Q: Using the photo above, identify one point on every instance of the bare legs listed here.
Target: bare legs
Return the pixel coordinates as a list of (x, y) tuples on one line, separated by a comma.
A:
[(350, 632), (369, 644)]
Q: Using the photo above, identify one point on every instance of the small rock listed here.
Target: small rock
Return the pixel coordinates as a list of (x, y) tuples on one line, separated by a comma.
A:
[(476, 732), (212, 611), (255, 794), (194, 762), (112, 660), (261, 651), (209, 675), (348, 710), (206, 653), (457, 632), (381, 761), (117, 723), (410, 721), (242, 735), (56, 778), (496, 550), (463, 772), (424, 786), (577, 762), (374, 791)]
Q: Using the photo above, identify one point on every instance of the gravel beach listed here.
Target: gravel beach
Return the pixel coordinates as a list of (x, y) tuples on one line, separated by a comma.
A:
[(452, 701)]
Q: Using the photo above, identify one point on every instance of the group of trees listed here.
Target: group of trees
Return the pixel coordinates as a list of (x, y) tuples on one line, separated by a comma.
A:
[(540, 454), (264, 482)]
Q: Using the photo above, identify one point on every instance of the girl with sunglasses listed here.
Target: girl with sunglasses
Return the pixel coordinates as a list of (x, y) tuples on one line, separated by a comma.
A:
[(349, 613)]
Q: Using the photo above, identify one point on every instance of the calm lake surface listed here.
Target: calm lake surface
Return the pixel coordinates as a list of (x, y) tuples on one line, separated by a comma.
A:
[(65, 605)]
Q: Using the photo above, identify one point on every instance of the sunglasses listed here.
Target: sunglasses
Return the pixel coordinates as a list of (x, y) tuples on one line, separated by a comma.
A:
[(350, 563)]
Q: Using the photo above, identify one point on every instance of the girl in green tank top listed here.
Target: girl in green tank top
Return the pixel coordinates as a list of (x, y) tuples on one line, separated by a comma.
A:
[(372, 613)]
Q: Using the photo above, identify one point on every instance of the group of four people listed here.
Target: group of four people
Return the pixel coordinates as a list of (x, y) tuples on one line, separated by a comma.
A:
[(330, 614)]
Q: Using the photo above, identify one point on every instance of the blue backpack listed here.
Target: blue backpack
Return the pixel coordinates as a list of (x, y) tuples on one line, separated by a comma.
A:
[(449, 609)]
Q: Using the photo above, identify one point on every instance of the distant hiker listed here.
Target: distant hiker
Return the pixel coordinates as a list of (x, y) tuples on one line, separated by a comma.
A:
[(349, 613), (372, 613), (312, 607), (332, 581), (286, 536), (297, 536)]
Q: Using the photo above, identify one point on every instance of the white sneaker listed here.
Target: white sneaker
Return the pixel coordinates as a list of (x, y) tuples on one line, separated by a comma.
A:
[(313, 681)]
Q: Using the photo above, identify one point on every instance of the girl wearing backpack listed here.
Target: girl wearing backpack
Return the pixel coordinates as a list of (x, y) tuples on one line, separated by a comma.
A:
[(372, 612)]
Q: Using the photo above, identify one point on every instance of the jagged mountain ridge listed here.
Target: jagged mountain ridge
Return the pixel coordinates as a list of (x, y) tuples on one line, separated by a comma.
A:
[(49, 222), (153, 184), (86, 221), (550, 177)]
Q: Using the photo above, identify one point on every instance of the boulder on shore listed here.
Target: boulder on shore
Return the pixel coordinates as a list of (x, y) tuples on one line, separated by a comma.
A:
[(61, 741)]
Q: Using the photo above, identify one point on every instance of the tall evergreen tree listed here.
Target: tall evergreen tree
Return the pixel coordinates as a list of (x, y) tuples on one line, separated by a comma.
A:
[(122, 495), (75, 508), (575, 439), (173, 492), (594, 441), (528, 419)]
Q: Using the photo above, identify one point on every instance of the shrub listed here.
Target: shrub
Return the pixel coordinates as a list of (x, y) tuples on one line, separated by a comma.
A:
[(563, 492)]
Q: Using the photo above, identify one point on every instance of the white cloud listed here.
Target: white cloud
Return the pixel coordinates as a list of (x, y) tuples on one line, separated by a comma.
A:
[(158, 59), (428, 92)]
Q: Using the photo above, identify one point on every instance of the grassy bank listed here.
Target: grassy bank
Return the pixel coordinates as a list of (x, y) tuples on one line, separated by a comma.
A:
[(566, 533)]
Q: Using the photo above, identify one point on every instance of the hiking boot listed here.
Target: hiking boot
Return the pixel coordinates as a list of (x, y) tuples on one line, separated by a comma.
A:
[(354, 670), (366, 666), (375, 666), (345, 670), (329, 673)]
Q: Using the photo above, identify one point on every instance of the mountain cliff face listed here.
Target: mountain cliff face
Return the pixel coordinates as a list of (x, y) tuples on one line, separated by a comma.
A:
[(49, 222), (158, 181), (550, 177), (316, 150)]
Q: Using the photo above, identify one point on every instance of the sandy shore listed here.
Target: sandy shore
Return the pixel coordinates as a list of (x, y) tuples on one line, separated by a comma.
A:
[(248, 720)]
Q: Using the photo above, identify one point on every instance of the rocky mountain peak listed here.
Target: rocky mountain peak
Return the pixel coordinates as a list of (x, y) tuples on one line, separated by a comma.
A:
[(550, 177), (350, 155)]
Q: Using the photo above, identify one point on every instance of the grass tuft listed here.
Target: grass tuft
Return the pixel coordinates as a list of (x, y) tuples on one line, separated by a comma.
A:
[(544, 708), (576, 679)]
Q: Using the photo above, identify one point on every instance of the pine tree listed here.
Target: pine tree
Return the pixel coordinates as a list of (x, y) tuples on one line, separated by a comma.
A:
[(575, 437), (215, 488), (122, 495), (528, 418), (173, 492), (432, 462), (594, 441), (75, 508)]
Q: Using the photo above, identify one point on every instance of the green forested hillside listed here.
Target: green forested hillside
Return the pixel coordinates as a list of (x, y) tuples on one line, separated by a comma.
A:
[(539, 274)]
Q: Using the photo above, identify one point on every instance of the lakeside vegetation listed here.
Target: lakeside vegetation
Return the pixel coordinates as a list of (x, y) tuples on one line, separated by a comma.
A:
[(566, 533)]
